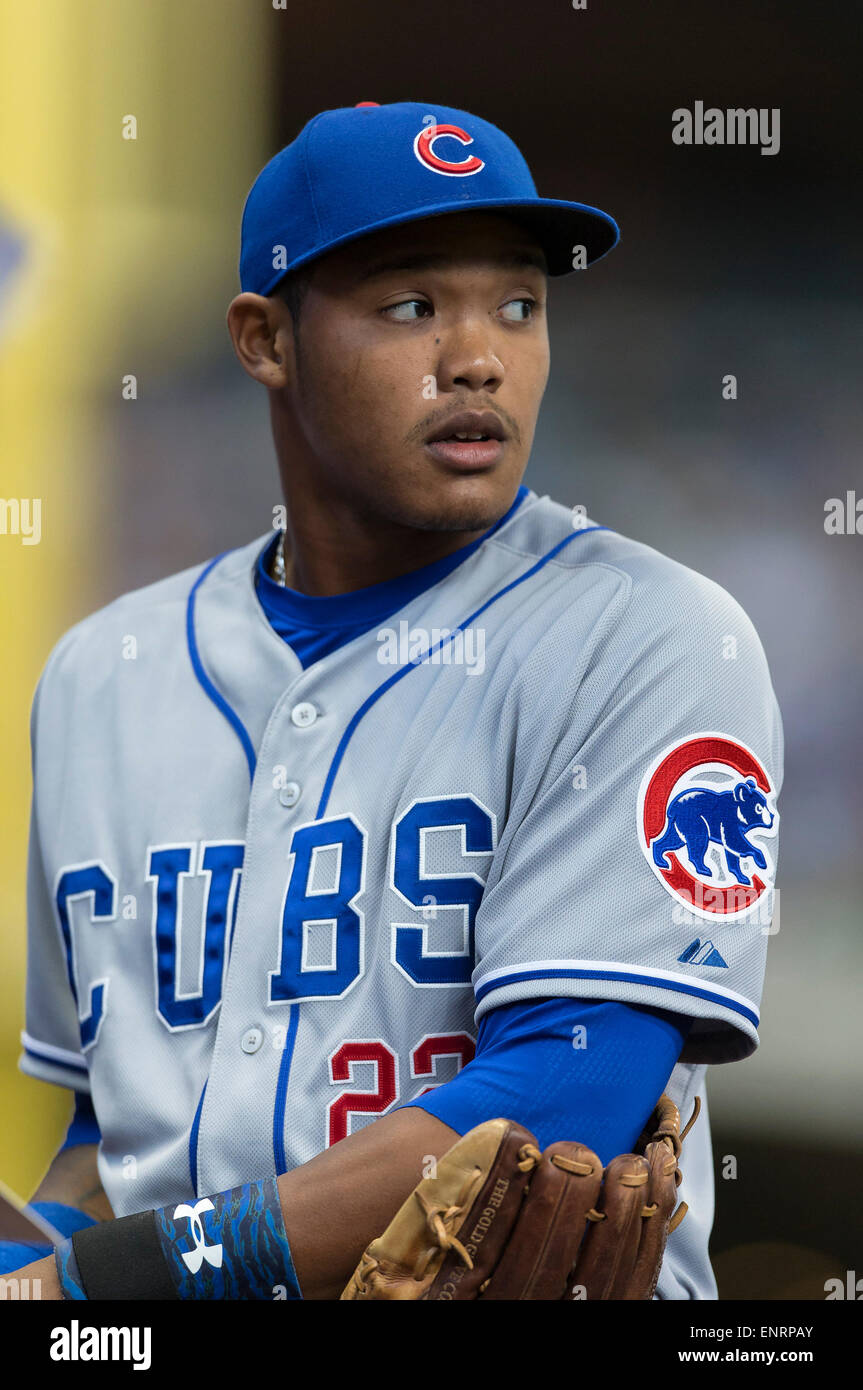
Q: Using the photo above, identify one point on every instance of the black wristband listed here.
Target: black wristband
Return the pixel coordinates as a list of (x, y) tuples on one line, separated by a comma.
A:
[(123, 1259)]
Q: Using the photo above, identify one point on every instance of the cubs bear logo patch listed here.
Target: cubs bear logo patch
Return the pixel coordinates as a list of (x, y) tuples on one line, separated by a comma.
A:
[(706, 822)]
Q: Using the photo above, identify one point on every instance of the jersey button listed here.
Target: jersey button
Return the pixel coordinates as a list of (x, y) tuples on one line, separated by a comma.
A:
[(251, 1040), (303, 715), (290, 793)]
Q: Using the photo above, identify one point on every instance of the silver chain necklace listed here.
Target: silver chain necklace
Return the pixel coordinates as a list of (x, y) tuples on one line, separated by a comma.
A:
[(277, 568)]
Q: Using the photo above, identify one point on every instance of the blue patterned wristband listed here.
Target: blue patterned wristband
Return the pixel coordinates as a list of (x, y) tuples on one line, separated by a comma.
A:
[(231, 1246)]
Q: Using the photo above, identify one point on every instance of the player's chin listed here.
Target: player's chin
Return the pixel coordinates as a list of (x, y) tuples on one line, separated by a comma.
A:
[(468, 497)]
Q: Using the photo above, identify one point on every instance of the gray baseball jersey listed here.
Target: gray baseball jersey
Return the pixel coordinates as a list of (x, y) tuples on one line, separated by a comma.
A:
[(268, 905)]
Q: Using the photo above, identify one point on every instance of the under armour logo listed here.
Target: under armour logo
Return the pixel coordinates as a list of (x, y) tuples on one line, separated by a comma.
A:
[(202, 1251)]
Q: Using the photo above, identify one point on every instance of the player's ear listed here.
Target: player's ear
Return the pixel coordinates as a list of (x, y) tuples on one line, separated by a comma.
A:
[(263, 339)]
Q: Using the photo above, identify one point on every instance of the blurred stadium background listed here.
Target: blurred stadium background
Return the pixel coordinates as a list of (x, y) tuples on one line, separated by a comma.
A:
[(118, 257)]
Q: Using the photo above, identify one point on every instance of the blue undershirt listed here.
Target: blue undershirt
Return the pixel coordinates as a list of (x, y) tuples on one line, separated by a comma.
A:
[(315, 627), (589, 1070)]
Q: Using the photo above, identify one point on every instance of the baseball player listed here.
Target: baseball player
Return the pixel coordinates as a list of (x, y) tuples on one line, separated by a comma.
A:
[(438, 803)]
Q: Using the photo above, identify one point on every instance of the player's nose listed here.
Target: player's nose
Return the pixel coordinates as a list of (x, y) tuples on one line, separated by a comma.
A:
[(467, 359)]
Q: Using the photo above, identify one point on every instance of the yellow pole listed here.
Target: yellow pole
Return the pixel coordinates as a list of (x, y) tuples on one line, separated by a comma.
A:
[(107, 244)]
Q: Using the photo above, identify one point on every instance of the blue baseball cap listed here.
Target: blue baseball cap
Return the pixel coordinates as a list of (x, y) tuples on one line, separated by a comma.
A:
[(358, 169)]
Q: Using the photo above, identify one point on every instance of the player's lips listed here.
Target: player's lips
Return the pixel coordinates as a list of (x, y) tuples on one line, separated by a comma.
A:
[(469, 439)]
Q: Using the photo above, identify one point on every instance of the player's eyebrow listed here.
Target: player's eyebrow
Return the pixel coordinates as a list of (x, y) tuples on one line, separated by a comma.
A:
[(433, 260)]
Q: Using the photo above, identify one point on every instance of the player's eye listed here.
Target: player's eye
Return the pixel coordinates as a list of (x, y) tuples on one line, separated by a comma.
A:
[(403, 311), (522, 310)]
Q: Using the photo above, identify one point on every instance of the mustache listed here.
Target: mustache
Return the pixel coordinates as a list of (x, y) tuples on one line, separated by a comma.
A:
[(423, 427)]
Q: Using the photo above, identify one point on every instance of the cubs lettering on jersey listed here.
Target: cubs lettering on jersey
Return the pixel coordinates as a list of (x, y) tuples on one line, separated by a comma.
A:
[(268, 904)]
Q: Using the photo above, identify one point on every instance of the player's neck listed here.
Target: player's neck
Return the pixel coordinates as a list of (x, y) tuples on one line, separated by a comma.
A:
[(327, 560)]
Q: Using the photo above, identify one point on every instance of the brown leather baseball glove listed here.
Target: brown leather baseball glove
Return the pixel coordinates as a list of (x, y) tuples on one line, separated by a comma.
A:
[(500, 1220)]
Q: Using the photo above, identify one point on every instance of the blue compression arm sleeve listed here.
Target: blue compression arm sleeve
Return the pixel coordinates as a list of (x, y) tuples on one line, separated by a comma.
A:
[(84, 1127), (566, 1069), (14, 1254)]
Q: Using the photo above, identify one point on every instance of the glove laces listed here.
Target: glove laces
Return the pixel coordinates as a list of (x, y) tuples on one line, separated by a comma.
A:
[(438, 1219)]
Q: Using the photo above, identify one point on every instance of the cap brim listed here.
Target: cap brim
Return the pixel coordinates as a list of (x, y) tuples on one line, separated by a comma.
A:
[(559, 227)]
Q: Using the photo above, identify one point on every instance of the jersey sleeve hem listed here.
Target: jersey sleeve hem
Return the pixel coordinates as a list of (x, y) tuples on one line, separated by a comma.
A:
[(726, 1023), (46, 1062)]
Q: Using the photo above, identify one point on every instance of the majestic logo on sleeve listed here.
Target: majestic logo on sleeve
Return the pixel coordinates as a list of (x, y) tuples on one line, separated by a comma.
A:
[(424, 149), (706, 818)]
